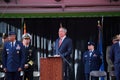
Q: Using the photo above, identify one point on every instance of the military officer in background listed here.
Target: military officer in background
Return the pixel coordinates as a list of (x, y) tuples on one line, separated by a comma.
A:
[(13, 57), (92, 60), (4, 40), (30, 57)]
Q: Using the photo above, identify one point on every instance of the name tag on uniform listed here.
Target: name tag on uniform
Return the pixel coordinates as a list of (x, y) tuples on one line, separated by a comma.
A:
[(18, 47), (94, 55), (7, 50)]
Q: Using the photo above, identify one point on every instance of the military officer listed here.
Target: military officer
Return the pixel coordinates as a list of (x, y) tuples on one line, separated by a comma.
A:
[(4, 37), (91, 60), (4, 40), (30, 57), (13, 57)]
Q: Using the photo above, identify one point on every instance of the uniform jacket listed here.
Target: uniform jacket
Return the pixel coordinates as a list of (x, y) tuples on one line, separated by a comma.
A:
[(13, 57), (115, 53), (1, 49), (65, 48), (30, 56), (93, 62)]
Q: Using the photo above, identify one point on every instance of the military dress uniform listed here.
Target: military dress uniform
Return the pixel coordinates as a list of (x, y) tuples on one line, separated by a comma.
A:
[(92, 61), (13, 58), (30, 57), (1, 49), (1, 65), (4, 36)]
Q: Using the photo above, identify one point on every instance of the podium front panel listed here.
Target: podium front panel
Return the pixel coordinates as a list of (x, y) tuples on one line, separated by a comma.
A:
[(51, 68)]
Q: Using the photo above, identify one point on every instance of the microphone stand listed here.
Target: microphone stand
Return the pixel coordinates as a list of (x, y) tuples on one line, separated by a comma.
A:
[(65, 60)]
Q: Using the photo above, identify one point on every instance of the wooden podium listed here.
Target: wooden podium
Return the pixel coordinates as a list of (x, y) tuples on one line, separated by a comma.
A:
[(51, 68)]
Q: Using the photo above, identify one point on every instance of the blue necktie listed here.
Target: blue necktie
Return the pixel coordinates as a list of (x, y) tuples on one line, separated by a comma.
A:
[(90, 53)]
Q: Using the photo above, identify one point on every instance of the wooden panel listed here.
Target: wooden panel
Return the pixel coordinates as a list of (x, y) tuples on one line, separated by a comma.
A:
[(43, 69), (51, 68)]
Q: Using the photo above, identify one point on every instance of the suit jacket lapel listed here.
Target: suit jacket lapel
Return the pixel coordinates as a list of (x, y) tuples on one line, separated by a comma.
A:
[(88, 54), (92, 53), (14, 47), (57, 44)]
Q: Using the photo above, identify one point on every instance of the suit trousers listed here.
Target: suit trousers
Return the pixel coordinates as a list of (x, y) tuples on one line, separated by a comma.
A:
[(117, 71), (87, 76), (66, 71)]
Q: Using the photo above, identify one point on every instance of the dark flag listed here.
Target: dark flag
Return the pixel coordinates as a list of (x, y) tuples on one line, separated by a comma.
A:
[(99, 45)]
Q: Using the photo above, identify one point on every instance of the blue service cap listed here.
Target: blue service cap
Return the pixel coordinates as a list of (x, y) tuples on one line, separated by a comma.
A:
[(91, 43), (12, 33)]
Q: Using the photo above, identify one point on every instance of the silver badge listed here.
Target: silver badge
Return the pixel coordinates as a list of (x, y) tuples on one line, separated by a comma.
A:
[(18, 47)]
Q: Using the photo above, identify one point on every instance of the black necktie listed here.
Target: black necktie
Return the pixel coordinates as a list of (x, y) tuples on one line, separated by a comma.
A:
[(12, 44), (26, 47)]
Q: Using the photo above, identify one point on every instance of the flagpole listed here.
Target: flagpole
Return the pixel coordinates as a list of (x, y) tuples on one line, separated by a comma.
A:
[(25, 28), (61, 25), (99, 47), (102, 21)]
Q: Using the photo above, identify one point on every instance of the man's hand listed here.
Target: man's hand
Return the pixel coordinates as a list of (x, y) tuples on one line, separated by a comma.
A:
[(26, 66), (19, 69), (5, 69), (56, 55)]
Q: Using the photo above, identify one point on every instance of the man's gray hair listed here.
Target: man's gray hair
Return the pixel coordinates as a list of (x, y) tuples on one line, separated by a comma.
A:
[(65, 30)]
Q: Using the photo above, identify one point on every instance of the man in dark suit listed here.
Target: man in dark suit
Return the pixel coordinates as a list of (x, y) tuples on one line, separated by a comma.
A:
[(92, 60), (115, 58), (13, 57), (63, 47), (29, 57), (110, 66)]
